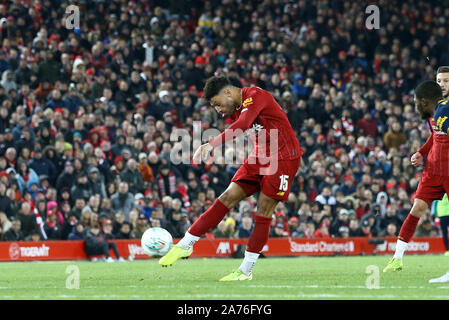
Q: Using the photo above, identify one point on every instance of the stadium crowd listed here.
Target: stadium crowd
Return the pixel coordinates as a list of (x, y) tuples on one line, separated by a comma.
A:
[(87, 114)]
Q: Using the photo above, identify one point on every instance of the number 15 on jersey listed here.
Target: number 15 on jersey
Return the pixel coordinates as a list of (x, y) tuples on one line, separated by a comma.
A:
[(284, 182)]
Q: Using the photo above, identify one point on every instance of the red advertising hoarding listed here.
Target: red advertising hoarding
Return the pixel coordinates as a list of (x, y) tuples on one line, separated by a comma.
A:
[(74, 250)]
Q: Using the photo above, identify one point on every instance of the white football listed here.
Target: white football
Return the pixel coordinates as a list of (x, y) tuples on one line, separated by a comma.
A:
[(156, 242)]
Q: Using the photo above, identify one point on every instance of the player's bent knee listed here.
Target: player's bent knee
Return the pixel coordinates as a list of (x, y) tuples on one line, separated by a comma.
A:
[(225, 198), (419, 207), (229, 199), (232, 195), (264, 210), (266, 205)]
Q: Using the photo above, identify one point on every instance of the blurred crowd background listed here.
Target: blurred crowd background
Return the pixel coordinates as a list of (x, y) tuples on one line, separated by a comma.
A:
[(86, 114)]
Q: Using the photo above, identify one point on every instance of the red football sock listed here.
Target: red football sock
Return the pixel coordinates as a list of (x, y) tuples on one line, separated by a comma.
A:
[(209, 219), (408, 228), (260, 234)]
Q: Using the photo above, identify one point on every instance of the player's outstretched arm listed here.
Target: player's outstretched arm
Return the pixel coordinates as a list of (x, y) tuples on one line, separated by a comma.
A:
[(237, 128)]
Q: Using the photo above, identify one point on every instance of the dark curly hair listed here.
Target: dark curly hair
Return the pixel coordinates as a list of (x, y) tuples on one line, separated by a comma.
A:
[(429, 90), (214, 85)]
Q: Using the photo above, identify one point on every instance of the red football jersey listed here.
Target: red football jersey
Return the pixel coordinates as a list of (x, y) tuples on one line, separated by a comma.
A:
[(262, 118), (437, 150)]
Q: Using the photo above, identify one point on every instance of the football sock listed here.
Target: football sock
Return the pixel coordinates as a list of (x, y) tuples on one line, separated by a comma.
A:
[(407, 230), (209, 219), (400, 248), (248, 262), (260, 233), (187, 241)]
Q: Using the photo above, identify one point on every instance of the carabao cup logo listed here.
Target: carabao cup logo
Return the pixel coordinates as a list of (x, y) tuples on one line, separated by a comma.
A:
[(157, 245)]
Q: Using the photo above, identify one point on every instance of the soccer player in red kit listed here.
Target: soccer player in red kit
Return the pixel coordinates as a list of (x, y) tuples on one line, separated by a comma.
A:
[(434, 182), (269, 169)]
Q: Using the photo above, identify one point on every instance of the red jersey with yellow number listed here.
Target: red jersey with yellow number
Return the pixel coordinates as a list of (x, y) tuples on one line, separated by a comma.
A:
[(436, 147), (263, 120)]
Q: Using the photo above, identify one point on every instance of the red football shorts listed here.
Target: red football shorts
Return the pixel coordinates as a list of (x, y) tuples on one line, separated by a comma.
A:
[(253, 178), (432, 188)]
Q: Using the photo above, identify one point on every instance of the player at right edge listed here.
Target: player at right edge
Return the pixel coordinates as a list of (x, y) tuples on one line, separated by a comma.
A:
[(434, 183)]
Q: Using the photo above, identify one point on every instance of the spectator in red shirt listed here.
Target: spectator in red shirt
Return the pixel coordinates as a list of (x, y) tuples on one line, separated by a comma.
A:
[(97, 59), (367, 126), (323, 230)]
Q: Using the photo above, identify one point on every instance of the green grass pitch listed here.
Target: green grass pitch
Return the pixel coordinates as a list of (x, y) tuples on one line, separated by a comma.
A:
[(298, 278)]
